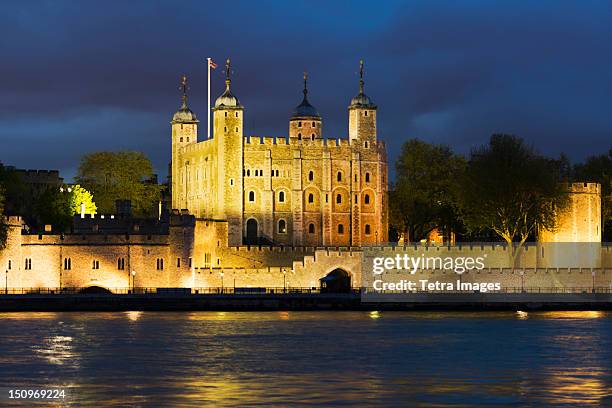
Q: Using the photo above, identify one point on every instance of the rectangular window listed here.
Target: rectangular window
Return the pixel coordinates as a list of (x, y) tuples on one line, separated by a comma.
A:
[(121, 264), (67, 264), (160, 264), (190, 262), (10, 264), (28, 264), (95, 265), (178, 262)]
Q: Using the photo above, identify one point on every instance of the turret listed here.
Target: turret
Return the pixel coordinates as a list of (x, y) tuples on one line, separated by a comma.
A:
[(228, 135), (362, 115), (184, 132), (305, 123)]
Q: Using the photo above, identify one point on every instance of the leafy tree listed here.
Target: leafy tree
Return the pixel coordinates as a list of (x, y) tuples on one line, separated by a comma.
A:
[(114, 176), (53, 207), (511, 189), (78, 196), (599, 169), (57, 206), (423, 198)]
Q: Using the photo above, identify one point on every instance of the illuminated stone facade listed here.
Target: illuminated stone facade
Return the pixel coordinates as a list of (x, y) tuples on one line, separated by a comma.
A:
[(303, 190)]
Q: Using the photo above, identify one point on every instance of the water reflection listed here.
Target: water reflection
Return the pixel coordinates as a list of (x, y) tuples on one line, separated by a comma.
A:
[(314, 358)]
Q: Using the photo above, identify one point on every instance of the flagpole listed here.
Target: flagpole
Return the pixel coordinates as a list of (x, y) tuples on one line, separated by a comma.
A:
[(208, 111)]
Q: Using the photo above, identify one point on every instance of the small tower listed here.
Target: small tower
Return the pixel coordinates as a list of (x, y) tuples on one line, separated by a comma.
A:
[(305, 123), (228, 138), (184, 132), (362, 115)]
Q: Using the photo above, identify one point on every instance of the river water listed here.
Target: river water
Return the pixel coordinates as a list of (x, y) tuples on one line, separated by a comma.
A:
[(309, 358)]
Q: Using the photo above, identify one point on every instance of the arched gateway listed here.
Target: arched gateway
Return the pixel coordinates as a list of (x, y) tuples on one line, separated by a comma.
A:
[(337, 281)]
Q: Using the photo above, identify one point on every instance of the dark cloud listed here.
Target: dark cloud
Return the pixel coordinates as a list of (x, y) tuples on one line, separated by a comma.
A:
[(79, 77)]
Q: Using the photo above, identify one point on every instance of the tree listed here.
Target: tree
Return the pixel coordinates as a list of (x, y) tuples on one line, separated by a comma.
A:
[(423, 198), (78, 196), (57, 206), (53, 208), (114, 176), (598, 169), (511, 189)]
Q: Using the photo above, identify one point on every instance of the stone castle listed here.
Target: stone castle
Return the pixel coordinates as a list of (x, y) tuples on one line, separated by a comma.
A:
[(302, 191), (272, 212)]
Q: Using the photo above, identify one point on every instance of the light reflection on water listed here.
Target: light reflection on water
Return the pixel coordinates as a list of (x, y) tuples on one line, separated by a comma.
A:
[(327, 358)]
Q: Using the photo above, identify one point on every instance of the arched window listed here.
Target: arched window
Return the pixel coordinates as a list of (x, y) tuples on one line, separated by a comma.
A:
[(312, 137), (248, 172), (366, 113), (367, 229), (339, 199), (367, 177), (282, 227), (310, 176), (366, 144), (314, 124), (226, 114), (311, 228), (339, 177), (281, 197), (299, 136), (340, 229), (181, 139), (236, 114), (366, 199), (311, 198), (299, 124), (251, 196)]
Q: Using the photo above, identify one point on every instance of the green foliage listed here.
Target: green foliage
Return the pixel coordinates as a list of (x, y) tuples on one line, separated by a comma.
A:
[(15, 193), (598, 169), (78, 196), (423, 197), (511, 189), (53, 207), (114, 176)]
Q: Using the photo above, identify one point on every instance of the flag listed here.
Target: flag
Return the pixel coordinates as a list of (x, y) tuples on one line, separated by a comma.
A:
[(212, 64)]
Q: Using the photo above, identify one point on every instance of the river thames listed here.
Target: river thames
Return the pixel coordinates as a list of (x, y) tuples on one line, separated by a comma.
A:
[(428, 359)]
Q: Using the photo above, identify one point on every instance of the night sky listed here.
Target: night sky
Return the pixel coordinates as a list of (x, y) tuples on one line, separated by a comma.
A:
[(77, 77)]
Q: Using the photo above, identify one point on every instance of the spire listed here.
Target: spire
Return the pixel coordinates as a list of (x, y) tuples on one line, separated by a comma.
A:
[(305, 84), (183, 87), (305, 109), (228, 81), (361, 76)]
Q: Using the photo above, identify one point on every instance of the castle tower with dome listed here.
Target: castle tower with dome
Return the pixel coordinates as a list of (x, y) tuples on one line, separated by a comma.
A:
[(304, 190)]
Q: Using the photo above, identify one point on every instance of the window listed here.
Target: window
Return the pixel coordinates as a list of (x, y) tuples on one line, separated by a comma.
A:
[(299, 136), (367, 177), (181, 139), (187, 138), (121, 264), (312, 137), (178, 262), (281, 197), (10, 264), (367, 229), (355, 198), (225, 128), (95, 264), (67, 264), (249, 172), (326, 198), (236, 129), (251, 196), (366, 144), (339, 199), (190, 262), (160, 264), (311, 228), (366, 199), (299, 124), (276, 173), (365, 113), (282, 227), (231, 182), (310, 198), (314, 124), (236, 114), (339, 177), (226, 114), (272, 173), (310, 176), (28, 264), (340, 229), (355, 178)]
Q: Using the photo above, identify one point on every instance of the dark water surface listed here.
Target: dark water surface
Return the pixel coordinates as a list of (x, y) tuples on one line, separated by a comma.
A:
[(311, 358)]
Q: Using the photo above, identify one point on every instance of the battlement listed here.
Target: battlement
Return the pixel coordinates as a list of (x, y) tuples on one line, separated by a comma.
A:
[(584, 188), (255, 140)]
